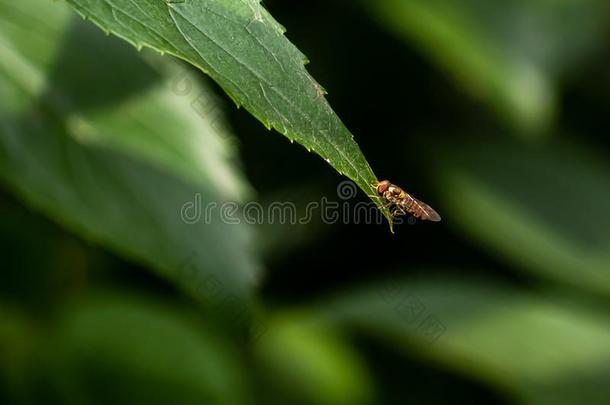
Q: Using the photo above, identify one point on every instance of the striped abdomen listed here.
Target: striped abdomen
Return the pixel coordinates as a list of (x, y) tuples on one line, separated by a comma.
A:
[(419, 209)]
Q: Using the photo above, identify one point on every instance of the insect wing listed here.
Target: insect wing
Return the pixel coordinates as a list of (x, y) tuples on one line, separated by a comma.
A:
[(426, 212)]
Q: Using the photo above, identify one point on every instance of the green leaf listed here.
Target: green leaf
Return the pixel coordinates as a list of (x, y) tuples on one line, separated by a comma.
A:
[(543, 209), (509, 54), (239, 45), (312, 363), (119, 165), (125, 350), (17, 341), (133, 115), (544, 351), (28, 47)]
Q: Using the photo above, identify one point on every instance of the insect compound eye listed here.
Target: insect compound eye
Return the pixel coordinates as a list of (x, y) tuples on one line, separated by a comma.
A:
[(383, 186)]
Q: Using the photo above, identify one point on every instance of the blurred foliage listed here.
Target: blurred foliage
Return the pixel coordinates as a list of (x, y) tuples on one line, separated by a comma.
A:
[(508, 54), (111, 349), (107, 293), (100, 160), (522, 344), (311, 362), (554, 222)]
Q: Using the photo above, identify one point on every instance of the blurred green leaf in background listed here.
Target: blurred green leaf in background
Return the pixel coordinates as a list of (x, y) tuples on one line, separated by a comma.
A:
[(510, 55), (543, 209), (524, 345), (99, 158)]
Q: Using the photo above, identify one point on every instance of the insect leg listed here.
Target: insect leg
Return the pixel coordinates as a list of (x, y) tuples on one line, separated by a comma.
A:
[(398, 211)]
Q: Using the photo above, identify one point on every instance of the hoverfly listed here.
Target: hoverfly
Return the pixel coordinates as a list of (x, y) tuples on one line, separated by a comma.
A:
[(401, 203)]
